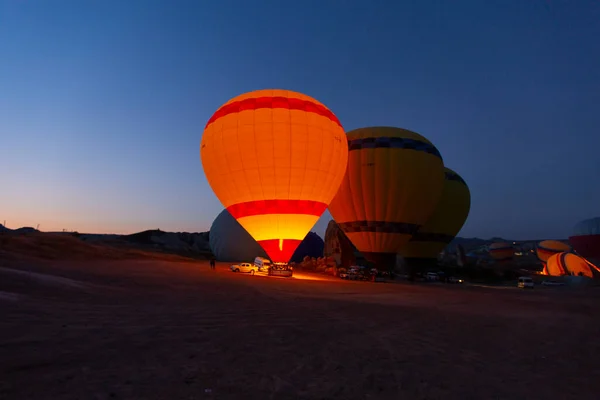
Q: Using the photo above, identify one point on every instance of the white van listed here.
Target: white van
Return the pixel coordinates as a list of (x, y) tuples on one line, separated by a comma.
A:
[(525, 282), (262, 263)]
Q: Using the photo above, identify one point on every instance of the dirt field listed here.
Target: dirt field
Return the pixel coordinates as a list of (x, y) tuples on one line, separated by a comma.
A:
[(151, 329)]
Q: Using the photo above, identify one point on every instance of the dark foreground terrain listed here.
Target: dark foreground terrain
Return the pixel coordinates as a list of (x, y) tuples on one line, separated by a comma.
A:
[(156, 329)]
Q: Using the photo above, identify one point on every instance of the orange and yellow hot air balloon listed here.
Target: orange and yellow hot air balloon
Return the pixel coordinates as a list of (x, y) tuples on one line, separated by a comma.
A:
[(393, 183), (275, 159), (568, 264)]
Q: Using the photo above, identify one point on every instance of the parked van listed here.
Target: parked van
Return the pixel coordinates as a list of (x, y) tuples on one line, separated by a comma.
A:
[(262, 263), (525, 282), (432, 276)]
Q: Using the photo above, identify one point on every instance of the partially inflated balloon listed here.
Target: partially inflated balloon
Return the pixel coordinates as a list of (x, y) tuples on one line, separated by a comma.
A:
[(568, 264), (547, 248), (448, 218), (393, 183), (501, 251), (275, 159)]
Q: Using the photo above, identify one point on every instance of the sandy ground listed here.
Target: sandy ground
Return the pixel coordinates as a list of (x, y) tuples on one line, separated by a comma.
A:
[(150, 329)]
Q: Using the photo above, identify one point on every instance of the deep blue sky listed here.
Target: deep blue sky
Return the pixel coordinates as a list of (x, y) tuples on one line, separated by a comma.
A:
[(103, 103)]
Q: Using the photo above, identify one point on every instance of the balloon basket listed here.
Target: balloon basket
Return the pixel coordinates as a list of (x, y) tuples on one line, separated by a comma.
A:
[(281, 270)]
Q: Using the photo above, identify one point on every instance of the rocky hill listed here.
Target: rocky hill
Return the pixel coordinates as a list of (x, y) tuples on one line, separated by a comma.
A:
[(196, 244)]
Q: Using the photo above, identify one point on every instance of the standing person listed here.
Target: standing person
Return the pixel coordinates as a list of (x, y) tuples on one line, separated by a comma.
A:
[(212, 263)]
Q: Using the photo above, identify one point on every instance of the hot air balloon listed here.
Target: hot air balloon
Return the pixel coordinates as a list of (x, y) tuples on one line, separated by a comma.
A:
[(501, 251), (393, 183), (547, 248), (275, 159), (448, 218), (568, 264), (586, 238)]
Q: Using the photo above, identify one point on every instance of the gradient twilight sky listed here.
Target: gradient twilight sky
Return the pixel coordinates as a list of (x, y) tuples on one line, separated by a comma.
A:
[(103, 102)]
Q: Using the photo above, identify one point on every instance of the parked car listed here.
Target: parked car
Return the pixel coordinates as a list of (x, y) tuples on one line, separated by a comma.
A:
[(432, 276), (244, 267), (553, 283), (263, 264), (353, 272)]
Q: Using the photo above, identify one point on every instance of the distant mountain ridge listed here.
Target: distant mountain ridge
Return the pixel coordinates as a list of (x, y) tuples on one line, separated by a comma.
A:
[(198, 242)]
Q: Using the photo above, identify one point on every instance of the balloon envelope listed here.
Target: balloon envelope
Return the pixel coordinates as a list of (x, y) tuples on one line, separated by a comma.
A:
[(586, 238), (547, 248), (392, 185), (501, 251), (448, 218), (275, 159), (567, 264)]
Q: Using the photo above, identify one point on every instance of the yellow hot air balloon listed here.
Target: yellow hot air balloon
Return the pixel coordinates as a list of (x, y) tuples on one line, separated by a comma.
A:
[(393, 183), (547, 248), (275, 159), (448, 218)]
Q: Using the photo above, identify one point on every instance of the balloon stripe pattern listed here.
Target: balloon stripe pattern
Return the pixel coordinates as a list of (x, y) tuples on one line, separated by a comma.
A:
[(568, 264), (444, 224), (392, 185), (378, 226), (547, 248), (273, 103), (261, 207), (275, 159), (393, 143)]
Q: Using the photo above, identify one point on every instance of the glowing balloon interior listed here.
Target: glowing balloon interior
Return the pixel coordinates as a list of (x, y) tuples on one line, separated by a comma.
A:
[(568, 264), (275, 159)]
